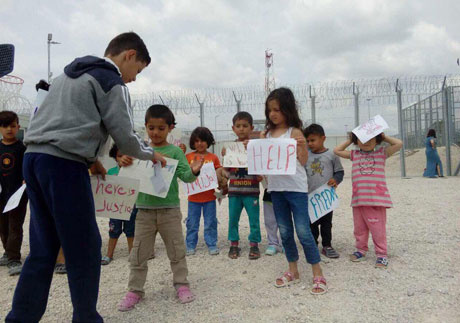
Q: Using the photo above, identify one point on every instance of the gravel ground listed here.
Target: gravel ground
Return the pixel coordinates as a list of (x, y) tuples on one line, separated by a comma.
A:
[(421, 283)]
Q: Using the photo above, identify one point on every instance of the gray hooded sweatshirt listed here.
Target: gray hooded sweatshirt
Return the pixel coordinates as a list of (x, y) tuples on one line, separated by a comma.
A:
[(84, 105)]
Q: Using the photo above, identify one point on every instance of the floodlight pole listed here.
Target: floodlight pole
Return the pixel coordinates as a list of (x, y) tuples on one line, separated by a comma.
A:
[(50, 42)]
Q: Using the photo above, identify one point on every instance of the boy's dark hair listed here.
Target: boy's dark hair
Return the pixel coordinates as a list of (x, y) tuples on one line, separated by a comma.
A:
[(431, 133), (126, 41), (288, 108), (203, 134), (42, 85), (113, 152), (159, 111), (378, 138), (242, 115), (314, 129), (7, 118)]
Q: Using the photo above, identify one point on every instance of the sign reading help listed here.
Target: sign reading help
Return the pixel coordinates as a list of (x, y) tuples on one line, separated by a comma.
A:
[(370, 129), (205, 182), (235, 155), (151, 182), (272, 156), (115, 197), (322, 201)]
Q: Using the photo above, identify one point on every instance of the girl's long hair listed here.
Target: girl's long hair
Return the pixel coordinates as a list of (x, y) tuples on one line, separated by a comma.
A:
[(288, 108), (431, 133)]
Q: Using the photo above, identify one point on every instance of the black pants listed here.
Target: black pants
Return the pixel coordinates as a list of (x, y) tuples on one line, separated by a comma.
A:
[(326, 229), (11, 228)]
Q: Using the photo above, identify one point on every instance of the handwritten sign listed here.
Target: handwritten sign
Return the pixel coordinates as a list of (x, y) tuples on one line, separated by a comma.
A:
[(41, 95), (14, 200), (205, 182), (115, 197), (235, 155), (272, 156), (151, 181), (370, 129), (174, 137), (322, 201)]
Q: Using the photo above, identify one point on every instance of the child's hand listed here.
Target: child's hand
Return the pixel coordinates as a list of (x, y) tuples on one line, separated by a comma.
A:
[(124, 161), (157, 157), (98, 169), (223, 151), (301, 141), (245, 144), (183, 147), (260, 178), (196, 164), (332, 183)]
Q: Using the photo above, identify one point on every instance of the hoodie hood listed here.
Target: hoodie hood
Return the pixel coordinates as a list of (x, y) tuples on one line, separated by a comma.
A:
[(86, 64)]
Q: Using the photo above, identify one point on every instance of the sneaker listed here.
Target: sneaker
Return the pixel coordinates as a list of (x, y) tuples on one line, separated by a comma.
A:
[(128, 302), (4, 260), (60, 269), (190, 252), (271, 251), (381, 262), (106, 260), (213, 251), (14, 267), (330, 252)]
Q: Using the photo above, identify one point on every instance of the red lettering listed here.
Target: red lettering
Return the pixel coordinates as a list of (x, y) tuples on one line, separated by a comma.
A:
[(103, 208), (254, 155), (289, 153), (99, 185), (279, 157), (269, 160), (121, 191), (108, 189)]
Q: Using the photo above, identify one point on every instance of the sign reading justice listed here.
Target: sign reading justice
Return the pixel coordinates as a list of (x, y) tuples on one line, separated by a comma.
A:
[(272, 156)]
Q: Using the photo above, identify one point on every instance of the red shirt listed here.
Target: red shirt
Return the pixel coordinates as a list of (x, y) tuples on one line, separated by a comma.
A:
[(205, 196)]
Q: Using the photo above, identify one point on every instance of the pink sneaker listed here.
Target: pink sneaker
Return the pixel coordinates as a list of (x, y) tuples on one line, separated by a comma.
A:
[(128, 302)]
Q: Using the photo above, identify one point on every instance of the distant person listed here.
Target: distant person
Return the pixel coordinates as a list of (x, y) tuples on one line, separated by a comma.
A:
[(11, 156), (433, 162), (370, 197), (85, 105), (323, 167)]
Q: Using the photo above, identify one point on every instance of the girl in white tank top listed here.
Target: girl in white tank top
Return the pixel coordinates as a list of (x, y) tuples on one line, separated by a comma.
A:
[(289, 192)]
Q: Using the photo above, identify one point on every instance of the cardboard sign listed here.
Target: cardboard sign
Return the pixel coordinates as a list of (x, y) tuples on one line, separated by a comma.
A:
[(235, 155), (370, 129), (174, 137), (115, 197), (272, 156), (152, 182), (14, 200), (205, 182), (322, 201)]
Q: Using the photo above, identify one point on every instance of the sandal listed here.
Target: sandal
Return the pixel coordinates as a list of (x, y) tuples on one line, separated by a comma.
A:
[(319, 283), (254, 253), (287, 279), (185, 295), (106, 260), (60, 269), (129, 301), (381, 262), (357, 256), (234, 252)]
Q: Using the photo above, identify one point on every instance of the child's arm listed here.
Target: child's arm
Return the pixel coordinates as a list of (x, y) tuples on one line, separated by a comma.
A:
[(338, 172), (395, 145), (302, 151), (188, 173), (341, 151)]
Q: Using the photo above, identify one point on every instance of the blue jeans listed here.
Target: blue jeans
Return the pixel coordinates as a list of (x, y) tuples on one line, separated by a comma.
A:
[(116, 226), (61, 213), (289, 206), (193, 224)]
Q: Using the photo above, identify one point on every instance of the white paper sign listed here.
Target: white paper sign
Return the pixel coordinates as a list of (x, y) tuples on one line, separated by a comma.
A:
[(205, 182), (150, 181), (235, 155), (370, 129), (14, 200), (272, 156), (41, 95), (174, 137), (322, 201), (115, 197)]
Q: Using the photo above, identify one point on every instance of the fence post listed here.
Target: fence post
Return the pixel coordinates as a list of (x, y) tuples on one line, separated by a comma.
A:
[(447, 126), (313, 107), (201, 110), (402, 157), (356, 102), (238, 102)]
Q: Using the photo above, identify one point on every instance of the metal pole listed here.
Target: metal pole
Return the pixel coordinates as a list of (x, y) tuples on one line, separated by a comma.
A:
[(201, 110), (313, 106), (49, 58), (356, 102), (238, 102), (446, 117), (401, 130)]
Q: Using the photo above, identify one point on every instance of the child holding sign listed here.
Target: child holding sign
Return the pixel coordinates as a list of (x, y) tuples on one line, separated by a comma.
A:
[(289, 192), (200, 140), (161, 215), (11, 155), (243, 192), (370, 197), (322, 167)]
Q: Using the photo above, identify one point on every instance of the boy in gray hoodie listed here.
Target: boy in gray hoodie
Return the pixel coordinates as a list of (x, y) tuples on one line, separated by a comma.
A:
[(84, 105)]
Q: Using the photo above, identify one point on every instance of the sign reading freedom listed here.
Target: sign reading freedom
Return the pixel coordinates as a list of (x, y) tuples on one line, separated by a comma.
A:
[(272, 156), (322, 201)]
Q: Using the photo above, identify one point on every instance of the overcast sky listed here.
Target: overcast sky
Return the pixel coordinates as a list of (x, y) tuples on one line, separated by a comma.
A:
[(211, 43)]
